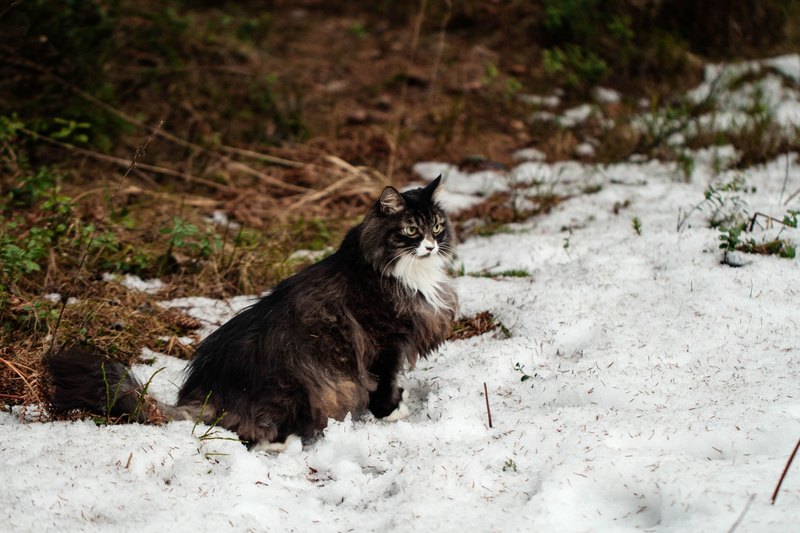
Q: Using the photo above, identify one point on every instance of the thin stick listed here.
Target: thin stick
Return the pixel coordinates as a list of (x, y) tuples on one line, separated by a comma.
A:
[(783, 475), (769, 219), (488, 411), (126, 162), (791, 197), (741, 515), (785, 179)]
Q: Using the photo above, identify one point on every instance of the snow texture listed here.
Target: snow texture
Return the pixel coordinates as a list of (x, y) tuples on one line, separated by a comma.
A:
[(150, 286), (644, 386)]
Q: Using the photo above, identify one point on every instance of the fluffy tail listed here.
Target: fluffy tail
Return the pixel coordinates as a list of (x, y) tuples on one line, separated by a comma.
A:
[(82, 379)]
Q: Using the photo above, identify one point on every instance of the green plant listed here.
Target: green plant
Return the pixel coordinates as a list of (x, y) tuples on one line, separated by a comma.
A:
[(70, 130), (189, 237), (577, 68), (521, 369), (637, 225), (510, 466), (359, 30), (730, 237), (790, 218), (686, 164)]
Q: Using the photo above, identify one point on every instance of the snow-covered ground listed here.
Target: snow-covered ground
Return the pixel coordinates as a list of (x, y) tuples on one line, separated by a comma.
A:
[(663, 389)]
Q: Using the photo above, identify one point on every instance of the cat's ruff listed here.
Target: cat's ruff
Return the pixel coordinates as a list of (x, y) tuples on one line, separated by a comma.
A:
[(426, 275)]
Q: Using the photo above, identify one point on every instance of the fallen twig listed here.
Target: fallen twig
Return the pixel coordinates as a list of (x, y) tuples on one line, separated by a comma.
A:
[(124, 162), (488, 411), (785, 469), (741, 515), (769, 219)]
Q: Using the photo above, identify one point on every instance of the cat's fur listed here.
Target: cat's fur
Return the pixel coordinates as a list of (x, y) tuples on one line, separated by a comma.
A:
[(327, 341)]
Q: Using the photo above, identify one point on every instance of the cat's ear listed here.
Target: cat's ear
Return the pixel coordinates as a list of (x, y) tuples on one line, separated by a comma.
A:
[(434, 187), (391, 201)]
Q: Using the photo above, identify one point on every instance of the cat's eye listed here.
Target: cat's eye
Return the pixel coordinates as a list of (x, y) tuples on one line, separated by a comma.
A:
[(438, 227), (410, 231)]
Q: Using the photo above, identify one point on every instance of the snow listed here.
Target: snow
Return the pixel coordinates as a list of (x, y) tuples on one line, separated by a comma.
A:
[(529, 154), (551, 101), (605, 95), (774, 91), (585, 149), (576, 115), (150, 286), (662, 389)]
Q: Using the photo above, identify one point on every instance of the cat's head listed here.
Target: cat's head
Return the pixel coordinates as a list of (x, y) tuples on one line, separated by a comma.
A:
[(408, 226)]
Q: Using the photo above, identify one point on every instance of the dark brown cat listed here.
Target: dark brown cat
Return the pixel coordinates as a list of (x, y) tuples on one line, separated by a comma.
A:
[(327, 341)]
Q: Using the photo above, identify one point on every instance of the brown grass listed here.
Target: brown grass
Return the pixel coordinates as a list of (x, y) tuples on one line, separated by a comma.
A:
[(473, 326)]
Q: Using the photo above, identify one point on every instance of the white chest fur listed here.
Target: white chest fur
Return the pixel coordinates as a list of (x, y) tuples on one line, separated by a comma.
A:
[(426, 275)]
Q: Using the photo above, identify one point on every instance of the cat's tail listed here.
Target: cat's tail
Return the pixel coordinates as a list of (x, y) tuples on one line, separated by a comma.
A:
[(82, 379)]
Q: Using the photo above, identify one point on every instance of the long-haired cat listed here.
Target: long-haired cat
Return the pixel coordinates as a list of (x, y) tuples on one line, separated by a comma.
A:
[(327, 341)]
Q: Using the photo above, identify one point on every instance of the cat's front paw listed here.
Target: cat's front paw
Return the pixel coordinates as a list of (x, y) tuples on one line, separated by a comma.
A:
[(386, 406), (401, 411), (292, 441)]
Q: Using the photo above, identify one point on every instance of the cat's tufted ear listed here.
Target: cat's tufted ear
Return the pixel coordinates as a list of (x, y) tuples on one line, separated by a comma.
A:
[(391, 201), (433, 187)]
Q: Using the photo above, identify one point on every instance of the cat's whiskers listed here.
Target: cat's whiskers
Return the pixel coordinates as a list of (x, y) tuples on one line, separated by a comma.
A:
[(390, 263)]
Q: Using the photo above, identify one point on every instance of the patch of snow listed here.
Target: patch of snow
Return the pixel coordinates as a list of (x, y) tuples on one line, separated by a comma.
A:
[(220, 218), (788, 65), (551, 101), (542, 116), (734, 101), (604, 95), (461, 190), (149, 286), (575, 115), (585, 149), (310, 255), (55, 297), (529, 154)]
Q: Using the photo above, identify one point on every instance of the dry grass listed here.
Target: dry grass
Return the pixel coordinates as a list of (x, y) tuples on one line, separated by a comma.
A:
[(473, 326)]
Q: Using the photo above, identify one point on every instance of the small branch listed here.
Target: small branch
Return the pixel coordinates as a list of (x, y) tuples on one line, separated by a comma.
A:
[(783, 475), (488, 411), (741, 515), (769, 218), (791, 197), (262, 157), (125, 162), (785, 179)]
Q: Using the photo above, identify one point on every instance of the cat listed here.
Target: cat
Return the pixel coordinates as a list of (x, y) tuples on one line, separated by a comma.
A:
[(324, 342)]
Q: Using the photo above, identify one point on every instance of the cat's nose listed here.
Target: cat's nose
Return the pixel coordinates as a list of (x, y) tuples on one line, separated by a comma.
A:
[(430, 247)]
